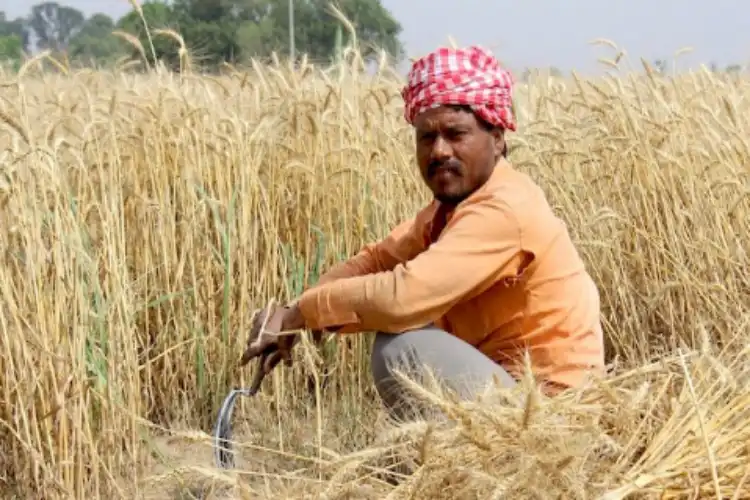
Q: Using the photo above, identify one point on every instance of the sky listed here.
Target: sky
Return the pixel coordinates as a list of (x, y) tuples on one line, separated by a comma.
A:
[(545, 33)]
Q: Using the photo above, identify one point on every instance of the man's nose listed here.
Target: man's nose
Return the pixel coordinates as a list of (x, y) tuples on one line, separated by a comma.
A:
[(441, 149)]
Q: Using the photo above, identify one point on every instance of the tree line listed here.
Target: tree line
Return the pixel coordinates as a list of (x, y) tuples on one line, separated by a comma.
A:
[(214, 31)]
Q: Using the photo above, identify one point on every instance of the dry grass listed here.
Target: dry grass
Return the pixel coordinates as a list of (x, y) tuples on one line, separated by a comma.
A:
[(145, 216)]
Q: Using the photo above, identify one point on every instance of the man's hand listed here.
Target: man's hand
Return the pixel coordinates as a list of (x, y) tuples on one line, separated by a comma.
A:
[(270, 340)]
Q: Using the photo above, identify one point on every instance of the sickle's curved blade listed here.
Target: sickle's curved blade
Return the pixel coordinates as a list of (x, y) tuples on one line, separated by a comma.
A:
[(223, 453)]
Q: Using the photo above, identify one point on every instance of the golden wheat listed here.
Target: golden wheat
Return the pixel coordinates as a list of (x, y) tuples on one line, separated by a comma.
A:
[(145, 216)]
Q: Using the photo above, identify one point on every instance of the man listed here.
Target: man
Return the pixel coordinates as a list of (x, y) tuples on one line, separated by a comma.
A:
[(481, 275)]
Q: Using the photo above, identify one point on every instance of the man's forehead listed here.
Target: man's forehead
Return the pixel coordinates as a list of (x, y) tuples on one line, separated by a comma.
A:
[(443, 116)]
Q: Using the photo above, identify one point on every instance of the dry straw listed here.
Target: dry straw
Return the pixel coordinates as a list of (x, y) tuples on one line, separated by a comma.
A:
[(144, 226)]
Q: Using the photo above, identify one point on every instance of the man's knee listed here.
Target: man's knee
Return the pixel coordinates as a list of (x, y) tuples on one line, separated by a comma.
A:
[(388, 350), (392, 354), (443, 354)]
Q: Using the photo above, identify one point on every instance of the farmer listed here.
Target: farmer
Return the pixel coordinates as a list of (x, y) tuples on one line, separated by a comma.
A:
[(483, 274)]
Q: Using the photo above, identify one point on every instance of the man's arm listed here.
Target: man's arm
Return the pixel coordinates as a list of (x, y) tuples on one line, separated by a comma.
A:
[(403, 243), (480, 245)]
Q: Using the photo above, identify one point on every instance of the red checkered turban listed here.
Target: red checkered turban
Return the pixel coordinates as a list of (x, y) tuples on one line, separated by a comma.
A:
[(470, 76)]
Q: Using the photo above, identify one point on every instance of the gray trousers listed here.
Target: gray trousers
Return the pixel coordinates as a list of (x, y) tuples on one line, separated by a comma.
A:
[(454, 363)]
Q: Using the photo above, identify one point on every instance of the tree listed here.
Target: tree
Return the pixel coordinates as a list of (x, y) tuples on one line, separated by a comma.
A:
[(315, 29), (158, 15), (14, 41), (95, 42), (209, 11), (233, 30), (258, 39), (376, 28), (15, 29), (734, 69), (11, 49), (55, 25)]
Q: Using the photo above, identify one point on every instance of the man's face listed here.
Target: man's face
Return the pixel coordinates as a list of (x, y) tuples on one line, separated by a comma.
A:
[(456, 152)]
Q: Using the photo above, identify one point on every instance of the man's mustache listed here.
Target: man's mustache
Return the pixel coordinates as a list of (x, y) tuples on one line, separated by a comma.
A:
[(452, 165)]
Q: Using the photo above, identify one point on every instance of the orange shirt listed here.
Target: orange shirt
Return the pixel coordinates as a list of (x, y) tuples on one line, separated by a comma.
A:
[(503, 275)]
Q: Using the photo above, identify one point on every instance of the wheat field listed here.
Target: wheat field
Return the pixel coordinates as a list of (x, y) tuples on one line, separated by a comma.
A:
[(144, 216)]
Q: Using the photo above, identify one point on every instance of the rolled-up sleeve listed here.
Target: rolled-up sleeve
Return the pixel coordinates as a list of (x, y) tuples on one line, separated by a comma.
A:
[(480, 245)]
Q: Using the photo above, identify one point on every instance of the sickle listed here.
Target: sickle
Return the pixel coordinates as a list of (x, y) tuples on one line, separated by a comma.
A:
[(223, 454)]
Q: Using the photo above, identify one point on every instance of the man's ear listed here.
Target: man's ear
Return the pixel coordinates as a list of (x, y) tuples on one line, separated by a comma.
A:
[(498, 137)]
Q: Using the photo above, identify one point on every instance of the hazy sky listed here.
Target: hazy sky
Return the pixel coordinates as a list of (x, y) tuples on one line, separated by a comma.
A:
[(534, 33)]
